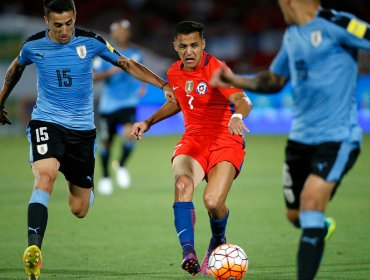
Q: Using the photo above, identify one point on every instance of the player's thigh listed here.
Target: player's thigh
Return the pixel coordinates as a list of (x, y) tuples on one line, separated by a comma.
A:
[(226, 150), (45, 172), (219, 182), (46, 140), (78, 193), (78, 162), (46, 149), (296, 169), (186, 165), (331, 161), (316, 193)]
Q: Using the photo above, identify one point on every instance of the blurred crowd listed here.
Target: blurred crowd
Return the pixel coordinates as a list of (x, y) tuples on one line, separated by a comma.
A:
[(244, 33)]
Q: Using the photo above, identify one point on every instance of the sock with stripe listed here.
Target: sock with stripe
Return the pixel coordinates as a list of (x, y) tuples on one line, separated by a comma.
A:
[(311, 245), (37, 217)]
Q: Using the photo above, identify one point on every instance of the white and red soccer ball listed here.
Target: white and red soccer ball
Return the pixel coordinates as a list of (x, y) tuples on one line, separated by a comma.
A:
[(228, 262)]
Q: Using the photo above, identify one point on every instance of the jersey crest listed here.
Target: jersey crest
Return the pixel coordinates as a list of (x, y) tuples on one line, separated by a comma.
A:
[(316, 38), (42, 149), (189, 86), (202, 88), (81, 51)]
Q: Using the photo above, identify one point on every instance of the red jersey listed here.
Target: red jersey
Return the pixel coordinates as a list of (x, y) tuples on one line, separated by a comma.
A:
[(207, 110)]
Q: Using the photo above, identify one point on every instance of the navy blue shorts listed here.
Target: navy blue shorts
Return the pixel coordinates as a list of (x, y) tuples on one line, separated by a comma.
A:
[(108, 123), (329, 160), (74, 149)]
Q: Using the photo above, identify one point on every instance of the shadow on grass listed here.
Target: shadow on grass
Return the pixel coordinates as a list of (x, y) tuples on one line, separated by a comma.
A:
[(15, 273)]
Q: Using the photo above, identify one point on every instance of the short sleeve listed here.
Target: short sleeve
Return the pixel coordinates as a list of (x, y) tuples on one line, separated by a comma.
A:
[(105, 50), (280, 64), (355, 33), (23, 57)]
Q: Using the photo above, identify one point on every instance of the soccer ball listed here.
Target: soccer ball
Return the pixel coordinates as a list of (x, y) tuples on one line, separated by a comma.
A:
[(228, 262)]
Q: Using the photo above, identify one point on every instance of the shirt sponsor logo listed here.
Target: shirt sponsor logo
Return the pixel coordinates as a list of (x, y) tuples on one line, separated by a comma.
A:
[(189, 85), (81, 51), (202, 88), (316, 38)]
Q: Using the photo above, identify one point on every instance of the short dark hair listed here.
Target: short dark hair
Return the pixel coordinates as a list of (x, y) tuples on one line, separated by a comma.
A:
[(58, 6), (187, 27)]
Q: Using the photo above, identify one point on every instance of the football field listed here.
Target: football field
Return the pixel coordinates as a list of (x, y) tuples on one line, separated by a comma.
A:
[(130, 235)]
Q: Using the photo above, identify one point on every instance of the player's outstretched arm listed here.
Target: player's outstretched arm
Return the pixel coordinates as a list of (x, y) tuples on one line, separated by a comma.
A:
[(263, 82), (167, 110), (142, 73), (12, 77), (243, 106)]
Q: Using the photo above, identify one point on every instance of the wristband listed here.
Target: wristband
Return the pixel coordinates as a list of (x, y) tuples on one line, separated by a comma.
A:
[(165, 84), (240, 116)]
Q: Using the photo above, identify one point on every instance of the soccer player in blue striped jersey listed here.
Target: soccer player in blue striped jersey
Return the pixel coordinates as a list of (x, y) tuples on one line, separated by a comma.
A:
[(117, 106), (318, 55), (62, 132)]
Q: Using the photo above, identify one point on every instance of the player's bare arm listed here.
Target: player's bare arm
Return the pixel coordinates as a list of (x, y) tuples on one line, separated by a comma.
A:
[(12, 77), (265, 81), (243, 106), (142, 73), (167, 110)]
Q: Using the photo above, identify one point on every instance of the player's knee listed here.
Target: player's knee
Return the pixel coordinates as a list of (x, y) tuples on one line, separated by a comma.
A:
[(212, 203), (79, 210), (310, 201), (184, 184), (45, 181)]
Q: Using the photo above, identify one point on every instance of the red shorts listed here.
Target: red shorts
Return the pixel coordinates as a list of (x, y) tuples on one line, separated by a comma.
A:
[(209, 151)]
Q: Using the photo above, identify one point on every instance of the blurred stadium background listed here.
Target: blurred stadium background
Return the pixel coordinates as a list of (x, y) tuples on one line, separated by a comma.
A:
[(244, 33), (123, 232)]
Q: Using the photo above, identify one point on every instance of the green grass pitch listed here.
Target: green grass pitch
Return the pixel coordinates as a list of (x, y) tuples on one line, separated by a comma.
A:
[(130, 235)]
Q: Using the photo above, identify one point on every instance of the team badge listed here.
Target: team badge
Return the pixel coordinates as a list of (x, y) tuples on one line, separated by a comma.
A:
[(42, 149), (81, 51), (202, 88), (189, 85), (316, 38)]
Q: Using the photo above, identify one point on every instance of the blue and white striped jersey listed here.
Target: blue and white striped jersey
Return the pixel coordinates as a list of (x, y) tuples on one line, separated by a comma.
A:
[(319, 58), (64, 71)]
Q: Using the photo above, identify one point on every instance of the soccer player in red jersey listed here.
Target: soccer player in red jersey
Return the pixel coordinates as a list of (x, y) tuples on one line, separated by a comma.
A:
[(212, 146)]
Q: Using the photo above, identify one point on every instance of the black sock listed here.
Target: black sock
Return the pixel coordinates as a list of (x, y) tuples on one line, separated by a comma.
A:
[(310, 251), (104, 154), (296, 223), (126, 152), (37, 220)]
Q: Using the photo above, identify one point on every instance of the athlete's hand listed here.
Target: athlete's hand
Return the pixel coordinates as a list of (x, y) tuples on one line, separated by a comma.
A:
[(3, 118), (222, 77), (237, 126), (169, 94), (138, 129)]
